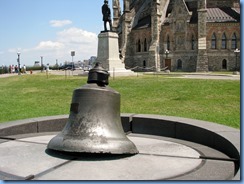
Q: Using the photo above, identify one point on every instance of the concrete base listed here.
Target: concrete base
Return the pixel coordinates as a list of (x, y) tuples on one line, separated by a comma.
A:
[(108, 54), (117, 72)]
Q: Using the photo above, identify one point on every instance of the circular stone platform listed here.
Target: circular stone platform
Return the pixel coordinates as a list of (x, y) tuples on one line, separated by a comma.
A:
[(158, 159), (24, 154)]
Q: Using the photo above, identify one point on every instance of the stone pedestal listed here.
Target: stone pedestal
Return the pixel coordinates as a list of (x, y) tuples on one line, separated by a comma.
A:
[(108, 54)]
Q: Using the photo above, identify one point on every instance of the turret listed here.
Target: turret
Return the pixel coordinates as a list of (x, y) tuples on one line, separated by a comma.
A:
[(202, 60), (116, 13)]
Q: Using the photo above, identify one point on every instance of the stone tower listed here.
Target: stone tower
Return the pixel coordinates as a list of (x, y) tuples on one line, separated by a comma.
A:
[(202, 58), (126, 20), (155, 30), (116, 13)]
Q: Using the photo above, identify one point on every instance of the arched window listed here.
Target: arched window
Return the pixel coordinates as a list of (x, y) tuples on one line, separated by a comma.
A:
[(168, 43), (192, 43), (224, 64), (224, 42), (145, 45), (139, 46), (179, 64), (234, 41), (144, 64), (214, 42)]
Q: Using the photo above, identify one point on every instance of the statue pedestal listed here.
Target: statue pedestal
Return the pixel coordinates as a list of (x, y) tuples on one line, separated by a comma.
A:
[(108, 54)]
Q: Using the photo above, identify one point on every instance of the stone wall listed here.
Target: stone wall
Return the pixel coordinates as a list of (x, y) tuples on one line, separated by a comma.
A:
[(195, 57)]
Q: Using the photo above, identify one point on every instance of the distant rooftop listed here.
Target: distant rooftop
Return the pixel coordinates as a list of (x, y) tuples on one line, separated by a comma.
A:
[(225, 14)]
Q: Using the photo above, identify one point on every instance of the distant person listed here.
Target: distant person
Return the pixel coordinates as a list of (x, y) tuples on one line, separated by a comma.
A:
[(24, 69), (106, 15), (16, 69), (13, 69)]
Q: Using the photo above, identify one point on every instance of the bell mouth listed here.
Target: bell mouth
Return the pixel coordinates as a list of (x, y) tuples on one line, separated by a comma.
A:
[(107, 146), (86, 156)]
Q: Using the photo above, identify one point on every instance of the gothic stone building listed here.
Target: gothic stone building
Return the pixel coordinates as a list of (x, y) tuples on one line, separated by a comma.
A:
[(181, 35)]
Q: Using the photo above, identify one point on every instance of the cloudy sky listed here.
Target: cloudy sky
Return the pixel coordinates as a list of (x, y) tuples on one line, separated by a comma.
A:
[(49, 28)]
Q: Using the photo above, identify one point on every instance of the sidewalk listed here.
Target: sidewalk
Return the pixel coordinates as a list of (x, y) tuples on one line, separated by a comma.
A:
[(208, 75)]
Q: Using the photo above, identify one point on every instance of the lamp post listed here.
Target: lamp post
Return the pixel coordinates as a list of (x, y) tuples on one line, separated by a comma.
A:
[(166, 53), (72, 55), (166, 64), (18, 60), (237, 51), (41, 63)]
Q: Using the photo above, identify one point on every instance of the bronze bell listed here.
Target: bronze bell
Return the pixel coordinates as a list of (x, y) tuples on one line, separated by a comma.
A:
[(94, 124)]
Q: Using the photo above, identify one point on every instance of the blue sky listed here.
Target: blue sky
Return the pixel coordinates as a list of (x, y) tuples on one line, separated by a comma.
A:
[(49, 28)]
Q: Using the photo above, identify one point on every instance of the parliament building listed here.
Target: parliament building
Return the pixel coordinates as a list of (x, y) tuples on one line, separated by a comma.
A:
[(179, 35)]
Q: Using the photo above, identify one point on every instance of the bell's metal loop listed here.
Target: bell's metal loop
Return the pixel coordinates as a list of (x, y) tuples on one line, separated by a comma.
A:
[(98, 75)]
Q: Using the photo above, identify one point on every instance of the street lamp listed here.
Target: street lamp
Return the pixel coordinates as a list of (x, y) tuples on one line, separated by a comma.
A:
[(166, 53), (18, 60), (41, 63), (237, 51)]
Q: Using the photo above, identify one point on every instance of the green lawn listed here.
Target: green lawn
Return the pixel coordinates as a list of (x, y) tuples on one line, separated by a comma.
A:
[(29, 96)]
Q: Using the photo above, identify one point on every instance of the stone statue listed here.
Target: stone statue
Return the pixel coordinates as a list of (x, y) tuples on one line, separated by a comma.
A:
[(106, 15)]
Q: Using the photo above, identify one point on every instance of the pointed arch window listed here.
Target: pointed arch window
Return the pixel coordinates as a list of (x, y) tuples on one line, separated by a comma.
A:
[(144, 64), (234, 41), (192, 42), (214, 42), (139, 45), (168, 43), (145, 45), (224, 42)]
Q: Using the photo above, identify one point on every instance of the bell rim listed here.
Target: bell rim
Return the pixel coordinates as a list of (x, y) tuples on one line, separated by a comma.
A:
[(114, 146)]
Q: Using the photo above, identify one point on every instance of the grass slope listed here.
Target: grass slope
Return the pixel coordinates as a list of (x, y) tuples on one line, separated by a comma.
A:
[(217, 101)]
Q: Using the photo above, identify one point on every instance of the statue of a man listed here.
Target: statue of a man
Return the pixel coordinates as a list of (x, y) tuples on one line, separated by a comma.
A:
[(106, 15)]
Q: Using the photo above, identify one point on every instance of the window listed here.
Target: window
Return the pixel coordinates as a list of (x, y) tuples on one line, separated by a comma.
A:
[(144, 64), (224, 64), (139, 46), (168, 43), (145, 45), (179, 65), (234, 41), (213, 42), (192, 42), (224, 42)]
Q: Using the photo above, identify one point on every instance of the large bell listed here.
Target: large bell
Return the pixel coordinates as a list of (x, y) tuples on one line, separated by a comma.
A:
[(94, 124)]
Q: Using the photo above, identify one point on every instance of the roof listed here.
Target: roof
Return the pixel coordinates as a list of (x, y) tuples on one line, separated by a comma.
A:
[(225, 14), (144, 23)]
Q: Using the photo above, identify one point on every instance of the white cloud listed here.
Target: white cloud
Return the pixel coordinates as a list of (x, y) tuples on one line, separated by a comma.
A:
[(49, 45), (84, 44), (76, 36), (12, 50), (59, 23)]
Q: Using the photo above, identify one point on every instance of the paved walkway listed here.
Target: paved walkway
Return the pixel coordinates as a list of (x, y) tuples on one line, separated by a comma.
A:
[(187, 75)]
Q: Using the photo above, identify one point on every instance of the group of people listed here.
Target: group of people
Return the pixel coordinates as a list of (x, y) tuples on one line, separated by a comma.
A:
[(16, 69)]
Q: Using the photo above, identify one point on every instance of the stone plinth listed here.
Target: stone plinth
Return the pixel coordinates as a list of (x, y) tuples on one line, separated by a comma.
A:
[(108, 54)]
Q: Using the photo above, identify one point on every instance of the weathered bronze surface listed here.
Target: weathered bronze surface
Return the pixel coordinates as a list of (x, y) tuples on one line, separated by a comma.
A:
[(94, 124)]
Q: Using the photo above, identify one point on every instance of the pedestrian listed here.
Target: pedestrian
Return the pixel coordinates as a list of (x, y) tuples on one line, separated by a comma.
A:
[(24, 69), (16, 69)]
